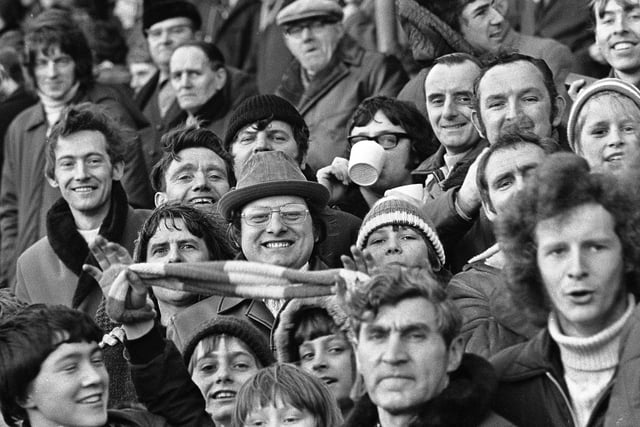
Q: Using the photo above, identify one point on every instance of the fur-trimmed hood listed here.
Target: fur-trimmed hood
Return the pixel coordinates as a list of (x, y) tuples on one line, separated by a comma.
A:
[(464, 403), (282, 337)]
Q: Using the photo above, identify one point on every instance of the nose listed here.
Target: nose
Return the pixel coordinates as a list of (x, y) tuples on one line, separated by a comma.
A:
[(81, 171), (222, 374), (395, 352), (90, 375), (185, 81), (200, 182), (319, 361), (519, 184), (449, 111), (393, 246), (576, 269), (275, 226), (262, 143), (513, 111), (620, 24), (495, 17), (175, 255), (614, 139), (51, 69), (306, 33)]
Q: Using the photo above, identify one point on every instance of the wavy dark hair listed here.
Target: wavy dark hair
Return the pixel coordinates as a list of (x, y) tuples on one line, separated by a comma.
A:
[(562, 183)]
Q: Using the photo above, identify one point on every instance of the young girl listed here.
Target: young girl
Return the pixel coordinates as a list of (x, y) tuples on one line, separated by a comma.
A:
[(285, 395)]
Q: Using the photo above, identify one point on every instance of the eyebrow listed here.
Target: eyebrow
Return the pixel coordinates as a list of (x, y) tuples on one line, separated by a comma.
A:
[(402, 328)]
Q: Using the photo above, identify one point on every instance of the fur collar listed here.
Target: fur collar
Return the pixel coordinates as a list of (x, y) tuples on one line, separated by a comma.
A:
[(465, 402), (71, 247)]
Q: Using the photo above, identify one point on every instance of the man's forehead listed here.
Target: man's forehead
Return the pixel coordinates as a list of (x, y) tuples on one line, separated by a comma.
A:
[(271, 125), (451, 76), (171, 22), (602, 6), (514, 157), (524, 72)]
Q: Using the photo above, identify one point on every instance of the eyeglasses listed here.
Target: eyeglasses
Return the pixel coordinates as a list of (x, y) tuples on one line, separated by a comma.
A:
[(176, 30), (314, 25), (387, 140), (59, 62), (290, 214)]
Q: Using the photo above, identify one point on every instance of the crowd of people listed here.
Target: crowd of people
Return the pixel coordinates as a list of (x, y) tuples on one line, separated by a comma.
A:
[(485, 267)]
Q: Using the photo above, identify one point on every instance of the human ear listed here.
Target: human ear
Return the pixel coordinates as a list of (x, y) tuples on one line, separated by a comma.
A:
[(456, 350)]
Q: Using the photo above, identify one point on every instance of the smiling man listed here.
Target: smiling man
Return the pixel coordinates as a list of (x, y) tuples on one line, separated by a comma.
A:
[(194, 169), (618, 37), (571, 260), (410, 355)]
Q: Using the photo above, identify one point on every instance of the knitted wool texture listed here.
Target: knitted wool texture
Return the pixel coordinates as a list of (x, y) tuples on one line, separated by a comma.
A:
[(396, 211)]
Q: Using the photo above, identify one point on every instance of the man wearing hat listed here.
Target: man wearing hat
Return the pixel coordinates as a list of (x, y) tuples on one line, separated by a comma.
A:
[(166, 25), (270, 123), (331, 75), (275, 213)]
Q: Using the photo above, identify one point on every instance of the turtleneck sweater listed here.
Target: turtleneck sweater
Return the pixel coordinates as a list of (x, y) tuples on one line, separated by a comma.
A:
[(589, 362), (53, 107)]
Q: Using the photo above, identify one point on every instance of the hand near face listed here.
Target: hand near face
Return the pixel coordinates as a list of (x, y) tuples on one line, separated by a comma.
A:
[(335, 178), (361, 261), (468, 198)]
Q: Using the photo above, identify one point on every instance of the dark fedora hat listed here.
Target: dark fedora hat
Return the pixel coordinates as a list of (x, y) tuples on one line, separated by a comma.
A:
[(270, 173)]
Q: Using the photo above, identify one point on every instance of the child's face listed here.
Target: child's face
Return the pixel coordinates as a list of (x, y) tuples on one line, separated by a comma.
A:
[(280, 415), (330, 358), (220, 373), (72, 388)]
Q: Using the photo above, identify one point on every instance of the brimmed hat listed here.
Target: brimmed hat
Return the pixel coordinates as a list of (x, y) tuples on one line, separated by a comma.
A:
[(270, 173), (305, 9), (246, 319), (154, 11), (608, 84), (397, 211), (261, 107)]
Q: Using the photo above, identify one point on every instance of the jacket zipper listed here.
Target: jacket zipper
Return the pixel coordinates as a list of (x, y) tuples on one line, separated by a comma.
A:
[(564, 396)]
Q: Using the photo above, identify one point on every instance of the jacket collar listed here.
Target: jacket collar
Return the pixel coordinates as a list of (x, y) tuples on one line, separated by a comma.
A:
[(465, 401)]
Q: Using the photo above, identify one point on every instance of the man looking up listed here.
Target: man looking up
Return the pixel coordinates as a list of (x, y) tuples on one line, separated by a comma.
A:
[(59, 61), (166, 25), (331, 75)]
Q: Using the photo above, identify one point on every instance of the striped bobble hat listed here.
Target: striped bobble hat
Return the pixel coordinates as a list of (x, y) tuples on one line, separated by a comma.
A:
[(396, 211)]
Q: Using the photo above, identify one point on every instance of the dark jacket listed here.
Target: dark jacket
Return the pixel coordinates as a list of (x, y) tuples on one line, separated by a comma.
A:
[(531, 387), (464, 403), (333, 95), (10, 107), (491, 321), (163, 383), (134, 418), (26, 196), (341, 232)]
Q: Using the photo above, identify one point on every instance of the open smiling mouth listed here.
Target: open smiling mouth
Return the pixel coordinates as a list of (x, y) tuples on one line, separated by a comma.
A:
[(278, 245)]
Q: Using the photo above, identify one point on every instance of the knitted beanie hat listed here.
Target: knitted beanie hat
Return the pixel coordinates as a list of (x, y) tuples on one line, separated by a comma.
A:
[(154, 11), (246, 319), (609, 84), (396, 211), (262, 107)]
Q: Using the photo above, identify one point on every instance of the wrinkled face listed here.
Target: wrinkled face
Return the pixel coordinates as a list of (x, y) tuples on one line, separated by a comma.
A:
[(276, 242), (193, 79), (165, 36), (400, 245), (220, 373), (83, 172), (581, 262), (55, 73), (280, 415), (312, 43), (449, 96), (483, 26), (172, 242), (514, 94), (506, 173), (609, 134), (71, 389), (277, 136), (198, 177), (330, 358), (394, 170), (402, 356), (618, 35), (140, 72)]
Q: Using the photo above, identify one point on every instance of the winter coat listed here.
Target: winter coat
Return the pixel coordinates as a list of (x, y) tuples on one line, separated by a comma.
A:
[(334, 93), (491, 321), (531, 387), (341, 232), (134, 418), (26, 196), (10, 107), (464, 403)]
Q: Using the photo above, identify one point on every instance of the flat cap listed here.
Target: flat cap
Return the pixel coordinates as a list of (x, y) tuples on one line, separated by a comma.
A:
[(305, 9)]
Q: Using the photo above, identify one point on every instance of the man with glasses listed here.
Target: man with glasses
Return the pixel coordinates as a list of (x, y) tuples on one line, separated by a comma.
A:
[(331, 75), (404, 134), (166, 24)]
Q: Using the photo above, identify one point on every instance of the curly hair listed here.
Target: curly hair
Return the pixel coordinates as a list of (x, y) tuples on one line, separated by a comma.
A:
[(394, 284), (562, 183)]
